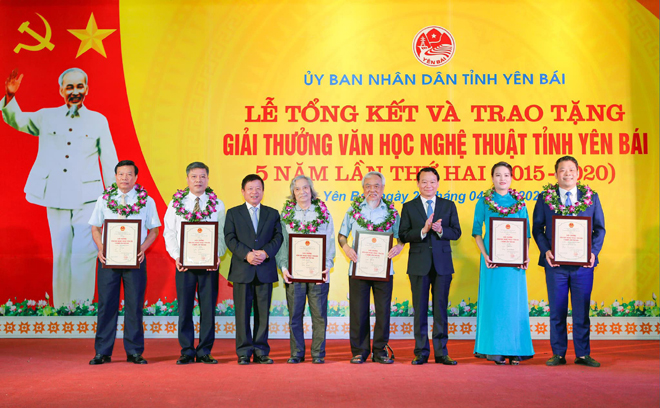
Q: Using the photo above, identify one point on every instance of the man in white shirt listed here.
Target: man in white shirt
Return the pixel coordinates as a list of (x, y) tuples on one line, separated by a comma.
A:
[(196, 203), (125, 200), (65, 177)]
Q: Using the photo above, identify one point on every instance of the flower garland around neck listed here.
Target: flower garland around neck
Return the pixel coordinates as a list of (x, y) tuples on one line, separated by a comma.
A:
[(496, 208), (356, 214), (125, 210), (552, 198), (177, 203), (288, 217)]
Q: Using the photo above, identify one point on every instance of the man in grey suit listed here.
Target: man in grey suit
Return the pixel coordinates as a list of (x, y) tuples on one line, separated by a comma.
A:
[(253, 234), (66, 178), (428, 223)]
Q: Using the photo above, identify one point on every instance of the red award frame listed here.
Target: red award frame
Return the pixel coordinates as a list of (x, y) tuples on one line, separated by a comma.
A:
[(183, 241), (375, 235), (314, 247), (120, 226), (495, 233), (580, 229)]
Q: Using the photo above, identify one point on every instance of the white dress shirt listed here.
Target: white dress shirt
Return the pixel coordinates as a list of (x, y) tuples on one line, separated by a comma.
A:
[(250, 206), (148, 214), (562, 195), (66, 173), (172, 232)]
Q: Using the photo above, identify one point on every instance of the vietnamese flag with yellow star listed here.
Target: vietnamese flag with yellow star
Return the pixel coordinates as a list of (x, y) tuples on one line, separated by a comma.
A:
[(41, 39)]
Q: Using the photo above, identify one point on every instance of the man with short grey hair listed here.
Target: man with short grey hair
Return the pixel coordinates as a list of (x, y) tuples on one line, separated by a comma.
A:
[(66, 178), (370, 212)]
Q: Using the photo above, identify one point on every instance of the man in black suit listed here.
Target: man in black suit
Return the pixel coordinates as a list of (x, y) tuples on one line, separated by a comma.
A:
[(428, 223), (253, 234)]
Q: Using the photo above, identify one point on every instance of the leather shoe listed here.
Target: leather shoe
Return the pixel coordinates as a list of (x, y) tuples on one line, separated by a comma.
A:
[(357, 359), (243, 360), (207, 359), (383, 359), (588, 361), (419, 360), (99, 359), (556, 360), (446, 360), (185, 359), (295, 360), (263, 359), (318, 360), (136, 359)]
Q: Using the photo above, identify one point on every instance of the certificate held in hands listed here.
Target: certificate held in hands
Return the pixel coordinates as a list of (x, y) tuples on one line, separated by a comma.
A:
[(121, 243), (508, 241), (372, 249), (571, 240), (307, 257), (199, 245)]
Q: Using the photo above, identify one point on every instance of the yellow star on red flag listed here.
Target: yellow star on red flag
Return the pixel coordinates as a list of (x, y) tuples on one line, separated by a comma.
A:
[(91, 37)]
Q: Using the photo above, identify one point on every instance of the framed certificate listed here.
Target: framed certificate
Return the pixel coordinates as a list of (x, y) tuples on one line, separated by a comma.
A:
[(372, 249), (307, 257), (508, 241), (121, 243), (571, 240), (199, 245)]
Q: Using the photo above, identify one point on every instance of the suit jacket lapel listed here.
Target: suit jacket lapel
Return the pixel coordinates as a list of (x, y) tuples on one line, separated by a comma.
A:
[(436, 215), (579, 198), (245, 213), (420, 206)]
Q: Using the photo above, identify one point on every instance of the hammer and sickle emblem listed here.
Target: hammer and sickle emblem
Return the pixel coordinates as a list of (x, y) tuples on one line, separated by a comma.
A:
[(44, 42)]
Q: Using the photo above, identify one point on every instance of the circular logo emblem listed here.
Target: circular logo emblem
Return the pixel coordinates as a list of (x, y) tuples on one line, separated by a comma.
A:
[(122, 228), (508, 226), (433, 46), (374, 240), (307, 243), (571, 225), (199, 230)]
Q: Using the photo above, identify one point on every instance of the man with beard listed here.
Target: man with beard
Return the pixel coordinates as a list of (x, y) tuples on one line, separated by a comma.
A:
[(65, 177), (370, 212)]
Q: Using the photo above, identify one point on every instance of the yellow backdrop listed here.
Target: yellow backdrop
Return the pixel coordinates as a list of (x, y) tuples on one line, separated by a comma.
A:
[(192, 68)]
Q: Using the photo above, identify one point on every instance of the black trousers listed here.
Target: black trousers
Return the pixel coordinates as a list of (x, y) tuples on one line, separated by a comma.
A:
[(439, 285), (109, 283), (255, 295), (205, 284), (359, 296)]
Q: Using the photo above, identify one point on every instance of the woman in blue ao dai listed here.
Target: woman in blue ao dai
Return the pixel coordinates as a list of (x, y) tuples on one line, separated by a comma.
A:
[(503, 329)]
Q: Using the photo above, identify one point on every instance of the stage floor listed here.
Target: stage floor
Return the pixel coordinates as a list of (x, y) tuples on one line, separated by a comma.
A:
[(55, 372)]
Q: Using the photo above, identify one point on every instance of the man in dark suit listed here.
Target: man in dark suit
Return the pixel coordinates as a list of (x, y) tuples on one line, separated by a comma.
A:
[(560, 279), (428, 223), (253, 234)]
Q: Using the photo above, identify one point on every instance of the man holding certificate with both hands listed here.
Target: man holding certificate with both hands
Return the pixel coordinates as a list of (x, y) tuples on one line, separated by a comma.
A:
[(569, 229), (120, 221), (374, 222), (307, 222), (194, 238)]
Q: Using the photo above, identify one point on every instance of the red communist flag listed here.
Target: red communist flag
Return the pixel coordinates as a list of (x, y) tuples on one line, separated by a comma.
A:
[(40, 40)]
